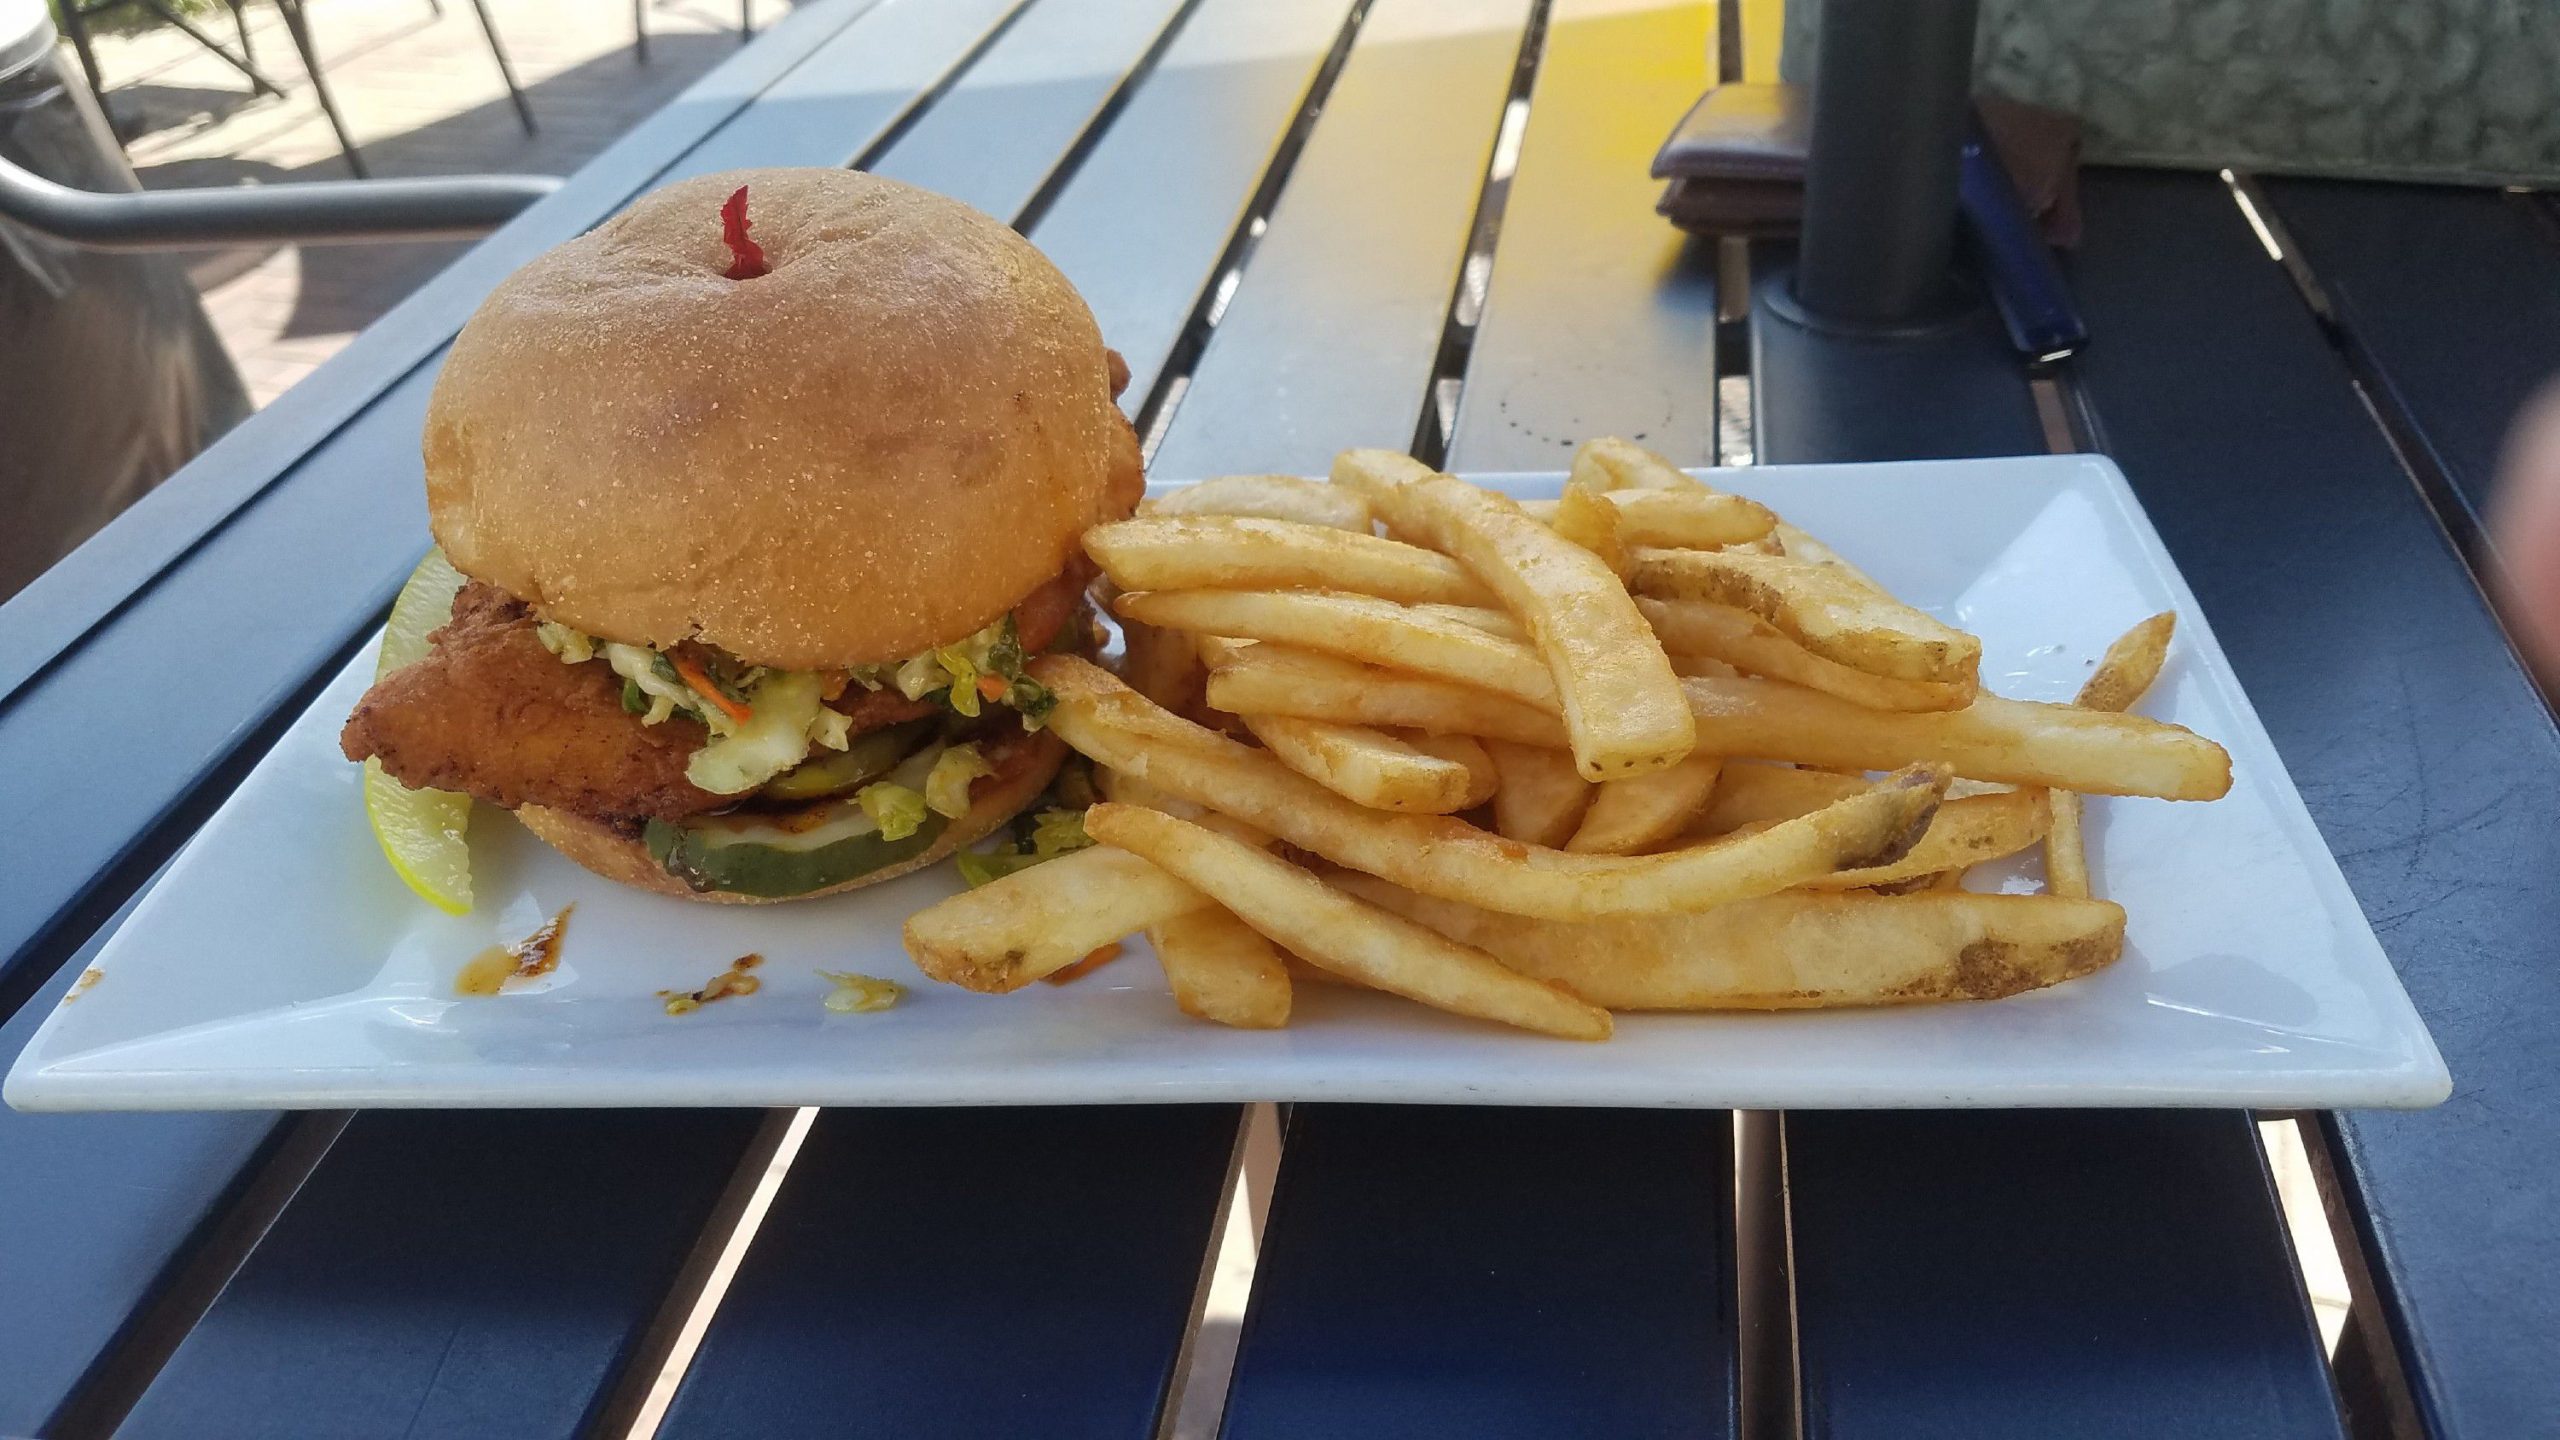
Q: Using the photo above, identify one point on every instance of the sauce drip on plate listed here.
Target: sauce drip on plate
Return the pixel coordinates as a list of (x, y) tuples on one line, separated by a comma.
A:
[(536, 954), (733, 981)]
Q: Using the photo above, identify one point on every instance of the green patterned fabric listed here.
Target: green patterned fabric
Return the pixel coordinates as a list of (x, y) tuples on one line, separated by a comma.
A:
[(2461, 91)]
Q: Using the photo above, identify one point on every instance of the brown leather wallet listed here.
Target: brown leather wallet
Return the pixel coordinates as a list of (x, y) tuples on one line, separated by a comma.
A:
[(1736, 162)]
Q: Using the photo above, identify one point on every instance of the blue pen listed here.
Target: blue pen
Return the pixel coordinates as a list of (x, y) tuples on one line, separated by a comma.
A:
[(2034, 302)]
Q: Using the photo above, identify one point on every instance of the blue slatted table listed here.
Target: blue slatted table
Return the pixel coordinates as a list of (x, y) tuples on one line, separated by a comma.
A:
[(1310, 225)]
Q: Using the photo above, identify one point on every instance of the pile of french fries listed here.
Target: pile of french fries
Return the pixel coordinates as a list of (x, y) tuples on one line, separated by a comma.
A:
[(1645, 747)]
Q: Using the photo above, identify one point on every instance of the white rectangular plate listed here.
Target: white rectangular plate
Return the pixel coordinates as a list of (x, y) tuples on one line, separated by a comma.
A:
[(280, 963)]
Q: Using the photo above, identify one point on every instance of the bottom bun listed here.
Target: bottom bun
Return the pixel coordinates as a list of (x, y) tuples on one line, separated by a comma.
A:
[(1022, 772)]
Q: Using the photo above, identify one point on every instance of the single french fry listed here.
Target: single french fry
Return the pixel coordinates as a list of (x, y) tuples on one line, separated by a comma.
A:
[(1201, 552), (1790, 952), (1268, 497), (1630, 817), (1334, 930), (1117, 727), (1482, 777), (1679, 519), (1964, 832), (2123, 675), (1799, 545), (1126, 789), (1827, 609), (1585, 517), (1624, 465), (1356, 627), (1163, 666), (1014, 930), (2017, 742), (1221, 969), (2066, 847), (1376, 475), (1541, 796), (1759, 792), (1365, 765), (1483, 617), (1739, 638), (1267, 679), (1618, 692)]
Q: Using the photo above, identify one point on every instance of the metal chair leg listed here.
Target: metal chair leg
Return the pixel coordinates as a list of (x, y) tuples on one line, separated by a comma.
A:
[(257, 78), (506, 71), (746, 18), (240, 23), (298, 26), (640, 30)]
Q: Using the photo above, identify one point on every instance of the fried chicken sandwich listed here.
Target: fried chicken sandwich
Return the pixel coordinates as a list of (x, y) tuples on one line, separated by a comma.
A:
[(765, 491)]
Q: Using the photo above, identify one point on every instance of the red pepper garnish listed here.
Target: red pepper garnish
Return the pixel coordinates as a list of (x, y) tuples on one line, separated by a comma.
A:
[(746, 260)]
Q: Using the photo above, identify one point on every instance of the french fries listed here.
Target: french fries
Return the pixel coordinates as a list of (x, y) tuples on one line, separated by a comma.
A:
[(1670, 705), (1702, 519), (2123, 675), (1119, 728), (1338, 932), (1790, 952), (1964, 832), (1629, 817), (1014, 930), (1269, 497), (1222, 970), (1174, 552), (1539, 797), (1355, 627), (1619, 693), (2019, 742), (1828, 609), (1747, 642), (1278, 680), (1368, 767)]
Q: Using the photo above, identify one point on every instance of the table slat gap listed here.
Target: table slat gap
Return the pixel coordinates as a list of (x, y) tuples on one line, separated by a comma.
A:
[(628, 1401), (923, 102), (2371, 1366), (1154, 417), (1190, 1367), (1436, 426), (225, 1238), (1062, 174)]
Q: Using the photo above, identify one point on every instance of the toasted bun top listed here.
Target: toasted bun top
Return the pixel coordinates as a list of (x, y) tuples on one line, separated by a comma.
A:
[(879, 446)]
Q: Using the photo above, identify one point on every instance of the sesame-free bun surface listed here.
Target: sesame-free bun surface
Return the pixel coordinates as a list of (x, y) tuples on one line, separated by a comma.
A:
[(1020, 777), (879, 446)]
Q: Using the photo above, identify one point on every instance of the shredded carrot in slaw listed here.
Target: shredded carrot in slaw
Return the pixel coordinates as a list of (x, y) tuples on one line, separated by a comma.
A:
[(700, 679)]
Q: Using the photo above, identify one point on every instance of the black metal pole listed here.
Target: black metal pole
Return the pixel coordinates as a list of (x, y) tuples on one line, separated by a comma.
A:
[(1892, 83)]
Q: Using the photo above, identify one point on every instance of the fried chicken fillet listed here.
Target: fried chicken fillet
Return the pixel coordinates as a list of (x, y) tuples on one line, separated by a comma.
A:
[(491, 713)]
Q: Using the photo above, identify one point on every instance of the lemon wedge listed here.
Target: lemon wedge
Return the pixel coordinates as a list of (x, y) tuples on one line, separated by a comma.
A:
[(421, 831)]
